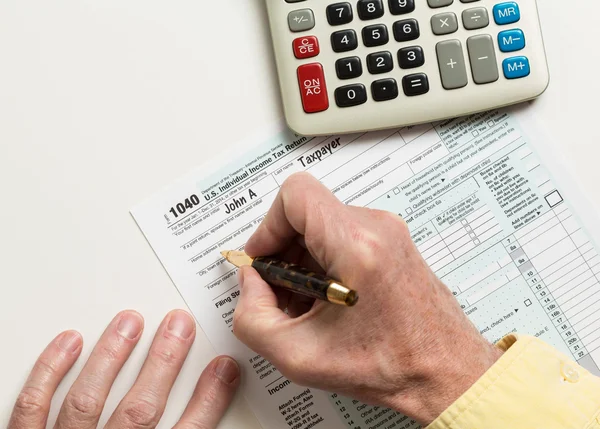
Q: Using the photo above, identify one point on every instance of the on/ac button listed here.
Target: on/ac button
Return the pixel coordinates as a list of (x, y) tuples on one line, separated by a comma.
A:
[(313, 90)]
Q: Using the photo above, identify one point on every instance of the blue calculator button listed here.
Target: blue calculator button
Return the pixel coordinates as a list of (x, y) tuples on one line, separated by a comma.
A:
[(516, 67), (511, 40), (506, 13)]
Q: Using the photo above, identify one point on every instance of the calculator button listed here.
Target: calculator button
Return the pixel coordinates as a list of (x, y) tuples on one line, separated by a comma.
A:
[(411, 57), (306, 47), (476, 17), (439, 3), (375, 35), (511, 40), (301, 20), (348, 68), (507, 13), (380, 62), (351, 95), (483, 59), (451, 62), (345, 40), (401, 7), (293, 1), (516, 67), (444, 23), (468, 1), (384, 89), (312, 88), (370, 9), (405, 30), (415, 84), (339, 14)]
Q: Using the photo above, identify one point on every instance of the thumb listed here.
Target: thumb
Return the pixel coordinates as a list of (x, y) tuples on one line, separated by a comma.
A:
[(256, 314)]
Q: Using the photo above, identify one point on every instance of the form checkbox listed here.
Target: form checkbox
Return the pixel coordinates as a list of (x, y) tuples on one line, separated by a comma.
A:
[(408, 210), (527, 302), (476, 241), (472, 235), (554, 198), (475, 133), (490, 123), (396, 191), (468, 228), (464, 221)]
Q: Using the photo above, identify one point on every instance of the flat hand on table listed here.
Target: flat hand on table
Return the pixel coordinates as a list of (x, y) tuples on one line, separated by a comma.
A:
[(143, 405)]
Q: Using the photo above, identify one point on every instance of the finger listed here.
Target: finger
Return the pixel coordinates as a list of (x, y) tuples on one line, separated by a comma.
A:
[(84, 403), (303, 206), (213, 394), (257, 312), (144, 404), (33, 404)]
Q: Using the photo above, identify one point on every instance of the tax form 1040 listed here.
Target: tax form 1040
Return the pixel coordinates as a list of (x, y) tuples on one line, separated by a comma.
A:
[(482, 209)]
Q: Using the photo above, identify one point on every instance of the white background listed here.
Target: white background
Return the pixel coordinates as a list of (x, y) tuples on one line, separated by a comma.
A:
[(104, 102)]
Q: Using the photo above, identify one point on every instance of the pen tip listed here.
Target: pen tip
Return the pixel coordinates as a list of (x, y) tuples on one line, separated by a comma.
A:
[(224, 253)]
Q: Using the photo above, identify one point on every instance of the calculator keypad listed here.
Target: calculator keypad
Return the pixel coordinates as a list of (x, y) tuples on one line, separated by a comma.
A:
[(339, 14), (370, 9), (375, 35), (380, 62), (384, 89), (348, 68), (344, 40), (410, 58), (406, 30), (450, 52), (351, 95), (401, 7)]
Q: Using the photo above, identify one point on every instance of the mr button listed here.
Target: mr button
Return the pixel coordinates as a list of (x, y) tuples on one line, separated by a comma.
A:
[(313, 90)]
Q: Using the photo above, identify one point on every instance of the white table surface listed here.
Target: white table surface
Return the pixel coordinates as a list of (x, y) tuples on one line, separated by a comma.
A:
[(104, 102)]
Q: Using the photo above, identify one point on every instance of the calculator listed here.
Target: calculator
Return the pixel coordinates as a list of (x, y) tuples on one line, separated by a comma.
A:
[(361, 65)]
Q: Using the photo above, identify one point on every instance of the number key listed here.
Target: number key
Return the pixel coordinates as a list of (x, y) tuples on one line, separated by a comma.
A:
[(411, 57), (380, 62), (405, 30), (345, 40), (339, 13), (370, 9), (401, 7), (348, 68), (375, 35), (350, 95)]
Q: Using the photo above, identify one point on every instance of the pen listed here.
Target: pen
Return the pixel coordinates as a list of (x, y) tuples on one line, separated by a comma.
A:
[(295, 278)]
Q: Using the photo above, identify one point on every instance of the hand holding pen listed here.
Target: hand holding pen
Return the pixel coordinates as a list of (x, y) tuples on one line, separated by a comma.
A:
[(406, 345)]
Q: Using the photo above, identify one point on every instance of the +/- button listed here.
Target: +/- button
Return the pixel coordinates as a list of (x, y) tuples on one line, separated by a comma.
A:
[(569, 373), (301, 20)]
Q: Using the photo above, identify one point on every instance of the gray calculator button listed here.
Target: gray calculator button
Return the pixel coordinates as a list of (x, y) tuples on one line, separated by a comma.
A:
[(476, 17), (462, 1), (439, 3), (451, 62), (444, 23), (483, 58), (301, 20)]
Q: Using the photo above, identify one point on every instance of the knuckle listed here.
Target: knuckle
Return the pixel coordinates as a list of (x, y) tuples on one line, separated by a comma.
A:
[(108, 352), (83, 405), (46, 366), (165, 356), (31, 400), (140, 414)]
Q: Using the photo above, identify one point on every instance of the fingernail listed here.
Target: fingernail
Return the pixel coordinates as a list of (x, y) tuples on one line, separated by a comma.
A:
[(70, 341), (227, 370), (130, 325), (181, 325), (240, 276)]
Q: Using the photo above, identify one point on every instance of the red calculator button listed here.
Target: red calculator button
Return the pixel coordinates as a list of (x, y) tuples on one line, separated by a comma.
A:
[(306, 47), (312, 88)]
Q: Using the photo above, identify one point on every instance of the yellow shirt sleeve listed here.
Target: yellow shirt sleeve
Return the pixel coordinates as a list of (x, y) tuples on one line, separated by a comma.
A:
[(532, 386)]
